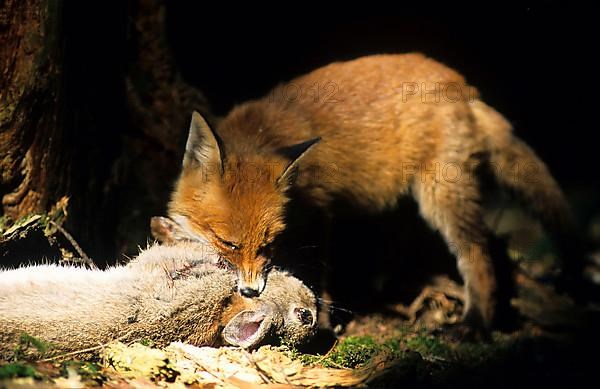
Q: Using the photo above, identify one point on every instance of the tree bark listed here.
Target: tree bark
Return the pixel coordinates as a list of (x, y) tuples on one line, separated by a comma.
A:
[(92, 107), (160, 104), (33, 163)]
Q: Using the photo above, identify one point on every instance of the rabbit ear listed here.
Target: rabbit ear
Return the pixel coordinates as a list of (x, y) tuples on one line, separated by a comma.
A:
[(247, 328), (165, 230)]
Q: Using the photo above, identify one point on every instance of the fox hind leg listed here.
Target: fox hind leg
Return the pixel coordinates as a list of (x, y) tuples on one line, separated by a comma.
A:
[(453, 209)]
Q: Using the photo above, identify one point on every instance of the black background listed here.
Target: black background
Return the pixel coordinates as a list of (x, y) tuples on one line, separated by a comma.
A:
[(536, 65), (533, 64)]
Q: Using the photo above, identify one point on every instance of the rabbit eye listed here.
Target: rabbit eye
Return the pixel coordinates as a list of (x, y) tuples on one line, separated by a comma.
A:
[(304, 315)]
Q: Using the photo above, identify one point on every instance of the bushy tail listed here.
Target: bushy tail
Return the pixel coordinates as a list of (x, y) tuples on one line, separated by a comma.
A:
[(518, 168)]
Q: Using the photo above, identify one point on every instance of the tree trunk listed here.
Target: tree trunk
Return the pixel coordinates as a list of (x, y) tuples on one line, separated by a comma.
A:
[(160, 104), (33, 163), (92, 107)]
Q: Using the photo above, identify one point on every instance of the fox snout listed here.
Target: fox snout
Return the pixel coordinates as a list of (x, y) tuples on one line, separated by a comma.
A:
[(252, 285)]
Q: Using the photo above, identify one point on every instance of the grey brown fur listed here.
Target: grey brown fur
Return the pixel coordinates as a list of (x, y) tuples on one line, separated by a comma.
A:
[(167, 293)]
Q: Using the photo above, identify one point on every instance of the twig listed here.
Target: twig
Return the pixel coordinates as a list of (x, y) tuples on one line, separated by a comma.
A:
[(327, 353), (84, 258), (85, 350)]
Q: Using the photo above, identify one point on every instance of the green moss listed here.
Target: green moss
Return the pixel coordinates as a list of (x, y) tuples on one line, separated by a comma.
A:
[(88, 371), (420, 350), (28, 342), (147, 342), (351, 352), (16, 369), (429, 346), (45, 222), (4, 224), (21, 227)]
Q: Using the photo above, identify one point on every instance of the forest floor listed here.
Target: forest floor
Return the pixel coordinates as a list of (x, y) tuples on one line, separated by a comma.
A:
[(552, 346), (551, 342)]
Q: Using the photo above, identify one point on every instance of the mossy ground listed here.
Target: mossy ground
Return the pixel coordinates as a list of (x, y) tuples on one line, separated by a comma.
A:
[(21, 367), (89, 373), (554, 344), (413, 357), (351, 352), (356, 351), (520, 359)]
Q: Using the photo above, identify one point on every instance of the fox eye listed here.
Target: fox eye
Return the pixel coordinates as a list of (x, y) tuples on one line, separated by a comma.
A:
[(229, 245)]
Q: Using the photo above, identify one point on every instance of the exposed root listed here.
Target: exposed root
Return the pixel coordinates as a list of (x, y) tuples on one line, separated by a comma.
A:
[(436, 305)]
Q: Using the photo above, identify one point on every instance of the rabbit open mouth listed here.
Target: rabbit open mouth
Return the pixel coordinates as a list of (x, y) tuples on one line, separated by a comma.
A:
[(247, 329), (250, 329)]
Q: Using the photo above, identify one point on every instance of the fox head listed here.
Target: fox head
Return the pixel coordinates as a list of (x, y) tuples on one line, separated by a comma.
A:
[(234, 200)]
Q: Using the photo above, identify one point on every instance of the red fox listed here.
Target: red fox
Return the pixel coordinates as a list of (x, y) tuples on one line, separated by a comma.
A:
[(367, 132)]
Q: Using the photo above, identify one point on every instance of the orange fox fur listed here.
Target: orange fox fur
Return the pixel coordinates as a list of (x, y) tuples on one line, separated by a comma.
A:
[(379, 140)]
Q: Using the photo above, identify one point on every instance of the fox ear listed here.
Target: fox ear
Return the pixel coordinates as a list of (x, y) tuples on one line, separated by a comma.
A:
[(295, 154), (202, 148)]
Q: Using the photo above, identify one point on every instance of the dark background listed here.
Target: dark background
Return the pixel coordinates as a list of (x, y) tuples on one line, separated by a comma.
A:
[(534, 64)]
